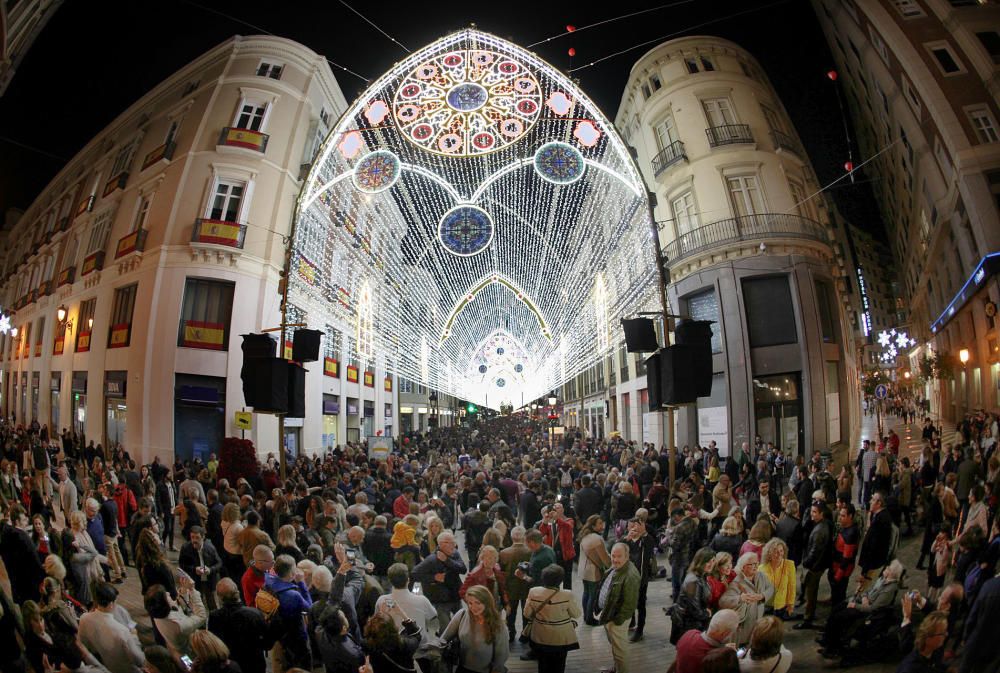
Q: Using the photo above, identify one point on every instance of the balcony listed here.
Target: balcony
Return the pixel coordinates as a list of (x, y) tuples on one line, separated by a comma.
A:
[(164, 152), (743, 228), (729, 134), (219, 232), (668, 156), (783, 141), (92, 262), (134, 242), (243, 138), (115, 183), (45, 289), (66, 276)]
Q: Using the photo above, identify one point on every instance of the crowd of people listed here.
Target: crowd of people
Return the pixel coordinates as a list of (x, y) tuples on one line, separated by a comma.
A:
[(458, 552)]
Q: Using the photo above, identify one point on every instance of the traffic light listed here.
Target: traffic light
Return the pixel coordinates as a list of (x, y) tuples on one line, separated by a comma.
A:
[(471, 408)]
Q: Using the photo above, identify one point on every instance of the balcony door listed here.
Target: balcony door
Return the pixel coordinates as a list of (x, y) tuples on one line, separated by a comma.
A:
[(745, 195), (666, 133), (718, 111)]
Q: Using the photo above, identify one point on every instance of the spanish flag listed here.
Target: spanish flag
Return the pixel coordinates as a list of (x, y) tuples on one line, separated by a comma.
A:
[(252, 140), (128, 244), (90, 263), (369, 379), (59, 345), (219, 232), (352, 373), (83, 342), (331, 367), (388, 384), (307, 270), (288, 350), (198, 334), (38, 350), (119, 335)]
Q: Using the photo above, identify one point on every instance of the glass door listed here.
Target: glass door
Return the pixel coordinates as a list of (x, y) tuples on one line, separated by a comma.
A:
[(778, 412)]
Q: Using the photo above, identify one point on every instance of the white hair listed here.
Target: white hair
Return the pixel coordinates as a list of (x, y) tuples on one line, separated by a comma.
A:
[(322, 579), (749, 557), (517, 534), (724, 623)]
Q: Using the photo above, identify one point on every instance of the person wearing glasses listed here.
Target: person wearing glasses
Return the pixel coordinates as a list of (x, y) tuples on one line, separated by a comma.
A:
[(926, 657), (747, 594)]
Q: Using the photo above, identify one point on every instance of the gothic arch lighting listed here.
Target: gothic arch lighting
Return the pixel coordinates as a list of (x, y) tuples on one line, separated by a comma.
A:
[(473, 193)]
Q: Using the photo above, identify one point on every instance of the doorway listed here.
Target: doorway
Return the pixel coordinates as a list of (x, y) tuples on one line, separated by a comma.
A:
[(778, 412)]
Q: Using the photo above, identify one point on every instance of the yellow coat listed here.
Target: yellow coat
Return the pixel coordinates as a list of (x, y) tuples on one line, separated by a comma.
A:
[(783, 580)]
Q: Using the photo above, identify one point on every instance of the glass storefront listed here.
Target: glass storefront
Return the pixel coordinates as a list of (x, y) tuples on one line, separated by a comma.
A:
[(55, 385), (116, 411), (778, 411), (331, 413), (80, 402), (35, 394), (199, 416), (353, 420), (23, 415)]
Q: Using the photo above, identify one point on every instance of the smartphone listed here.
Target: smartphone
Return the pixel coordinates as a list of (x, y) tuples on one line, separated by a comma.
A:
[(416, 588), (740, 653), (186, 660), (352, 555)]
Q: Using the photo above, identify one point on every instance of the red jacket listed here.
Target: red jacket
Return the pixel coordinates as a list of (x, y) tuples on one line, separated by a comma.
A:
[(125, 500), (400, 507), (477, 576), (565, 537)]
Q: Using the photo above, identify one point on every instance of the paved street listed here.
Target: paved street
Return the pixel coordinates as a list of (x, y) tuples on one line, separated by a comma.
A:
[(655, 652)]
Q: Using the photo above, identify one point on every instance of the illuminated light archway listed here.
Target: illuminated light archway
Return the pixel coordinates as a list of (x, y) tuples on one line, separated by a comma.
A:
[(544, 199)]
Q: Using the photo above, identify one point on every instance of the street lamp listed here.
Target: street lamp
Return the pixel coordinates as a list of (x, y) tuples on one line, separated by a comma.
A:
[(552, 399), (61, 313), (552, 420), (963, 356)]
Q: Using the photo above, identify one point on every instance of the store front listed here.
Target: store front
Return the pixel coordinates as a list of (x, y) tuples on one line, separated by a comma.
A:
[(388, 420), (79, 390), (36, 380), (292, 436), (331, 414), (353, 420), (116, 411), (778, 411), (55, 385), (368, 423), (199, 416)]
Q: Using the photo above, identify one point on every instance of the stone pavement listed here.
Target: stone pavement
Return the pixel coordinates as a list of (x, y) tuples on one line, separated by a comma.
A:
[(654, 653)]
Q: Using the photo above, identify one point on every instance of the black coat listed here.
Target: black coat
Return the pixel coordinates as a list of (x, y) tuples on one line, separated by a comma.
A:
[(25, 570), (213, 527), (529, 508), (878, 538), (440, 592), (753, 507), (588, 501), (245, 633), (377, 549), (188, 561)]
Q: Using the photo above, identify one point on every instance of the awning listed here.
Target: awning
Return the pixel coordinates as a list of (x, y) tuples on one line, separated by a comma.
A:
[(988, 267)]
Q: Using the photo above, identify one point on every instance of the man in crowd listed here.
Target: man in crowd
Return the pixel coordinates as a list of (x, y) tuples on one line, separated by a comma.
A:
[(819, 551), (294, 601), (440, 577), (845, 548), (694, 645), (616, 601), (199, 559), (109, 639), (253, 579), (878, 538), (517, 587), (242, 628)]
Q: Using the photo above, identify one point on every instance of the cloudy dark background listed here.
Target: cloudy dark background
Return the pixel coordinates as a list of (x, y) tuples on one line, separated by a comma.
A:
[(96, 57)]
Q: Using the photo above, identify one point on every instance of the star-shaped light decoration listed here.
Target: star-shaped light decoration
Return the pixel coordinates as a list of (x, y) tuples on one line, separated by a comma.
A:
[(902, 340), (884, 339), (4, 324), (892, 352)]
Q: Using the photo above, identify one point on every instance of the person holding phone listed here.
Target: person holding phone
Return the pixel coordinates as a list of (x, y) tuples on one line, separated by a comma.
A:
[(391, 647), (766, 653), (169, 617)]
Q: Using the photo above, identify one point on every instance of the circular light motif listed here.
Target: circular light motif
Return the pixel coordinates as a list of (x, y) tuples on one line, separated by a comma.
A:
[(518, 368), (377, 171), (465, 230), (475, 102), (501, 383), (559, 163), (467, 97), (500, 350), (482, 369)]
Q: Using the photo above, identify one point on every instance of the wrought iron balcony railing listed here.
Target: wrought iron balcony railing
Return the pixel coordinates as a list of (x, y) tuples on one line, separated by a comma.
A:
[(729, 134), (745, 227), (668, 156), (784, 141)]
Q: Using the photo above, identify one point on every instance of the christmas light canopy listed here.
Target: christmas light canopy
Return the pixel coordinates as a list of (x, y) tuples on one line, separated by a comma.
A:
[(475, 224)]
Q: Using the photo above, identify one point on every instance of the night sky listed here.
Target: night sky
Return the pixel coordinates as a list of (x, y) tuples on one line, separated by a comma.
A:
[(95, 58)]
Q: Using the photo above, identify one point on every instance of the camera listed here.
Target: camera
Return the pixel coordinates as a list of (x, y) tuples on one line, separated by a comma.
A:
[(525, 567), (352, 555)]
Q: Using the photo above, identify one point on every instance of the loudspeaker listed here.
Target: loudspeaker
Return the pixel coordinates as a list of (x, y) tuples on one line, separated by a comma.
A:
[(640, 336), (259, 346), (265, 385), (305, 345), (670, 377), (296, 403), (698, 335)]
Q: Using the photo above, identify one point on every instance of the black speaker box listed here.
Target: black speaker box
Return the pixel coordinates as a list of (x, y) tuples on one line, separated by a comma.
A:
[(296, 391), (670, 377), (305, 345), (698, 335), (640, 336), (265, 385), (259, 346)]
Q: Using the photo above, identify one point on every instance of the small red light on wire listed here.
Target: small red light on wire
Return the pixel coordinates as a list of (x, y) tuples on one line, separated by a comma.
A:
[(570, 28), (572, 51), (832, 74), (848, 166)]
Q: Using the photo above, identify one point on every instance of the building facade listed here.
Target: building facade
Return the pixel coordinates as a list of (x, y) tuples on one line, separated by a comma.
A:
[(747, 248), (921, 79), (134, 273), (20, 23)]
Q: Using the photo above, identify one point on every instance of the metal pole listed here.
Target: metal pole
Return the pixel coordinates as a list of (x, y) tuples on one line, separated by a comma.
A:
[(668, 323), (281, 344)]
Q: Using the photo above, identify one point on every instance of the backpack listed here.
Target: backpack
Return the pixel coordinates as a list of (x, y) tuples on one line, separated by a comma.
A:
[(267, 602)]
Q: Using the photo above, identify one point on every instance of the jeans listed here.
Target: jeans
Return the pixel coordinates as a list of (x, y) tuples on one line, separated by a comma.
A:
[(640, 619), (516, 606), (591, 588)]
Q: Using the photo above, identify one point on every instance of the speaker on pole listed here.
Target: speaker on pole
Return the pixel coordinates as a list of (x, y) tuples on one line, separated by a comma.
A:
[(296, 403), (305, 345), (670, 377), (640, 335), (265, 385), (697, 334), (255, 347)]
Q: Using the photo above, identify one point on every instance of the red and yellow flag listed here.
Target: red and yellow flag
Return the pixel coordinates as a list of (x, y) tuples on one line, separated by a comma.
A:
[(388, 384), (219, 233), (352, 373), (38, 350), (251, 140), (59, 345), (119, 335), (90, 263), (83, 342), (370, 379), (128, 244), (331, 368), (288, 350), (198, 334)]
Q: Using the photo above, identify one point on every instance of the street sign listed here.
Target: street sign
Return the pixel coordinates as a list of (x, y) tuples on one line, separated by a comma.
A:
[(243, 420), (881, 391)]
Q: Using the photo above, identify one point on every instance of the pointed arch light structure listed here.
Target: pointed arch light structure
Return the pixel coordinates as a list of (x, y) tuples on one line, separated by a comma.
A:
[(473, 193)]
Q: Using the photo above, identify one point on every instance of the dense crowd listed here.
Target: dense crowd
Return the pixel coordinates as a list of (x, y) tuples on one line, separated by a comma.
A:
[(459, 550)]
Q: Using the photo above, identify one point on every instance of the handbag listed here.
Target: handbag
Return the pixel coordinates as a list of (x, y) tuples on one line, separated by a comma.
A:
[(451, 652), (526, 631)]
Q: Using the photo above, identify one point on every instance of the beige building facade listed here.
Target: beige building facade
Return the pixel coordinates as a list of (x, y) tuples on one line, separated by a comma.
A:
[(20, 23)]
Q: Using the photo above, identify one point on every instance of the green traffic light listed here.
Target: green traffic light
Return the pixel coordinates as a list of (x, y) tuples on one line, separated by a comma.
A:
[(471, 408)]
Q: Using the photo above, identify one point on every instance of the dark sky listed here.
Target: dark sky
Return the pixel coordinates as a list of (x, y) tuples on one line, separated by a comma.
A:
[(96, 57)]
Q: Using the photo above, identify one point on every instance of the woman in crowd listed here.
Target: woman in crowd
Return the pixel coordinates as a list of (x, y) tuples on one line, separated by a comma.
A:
[(594, 560), (552, 613), (882, 479), (780, 570), (286, 543), (46, 542), (338, 648), (481, 632), (719, 578), (211, 654), (623, 508), (759, 535), (487, 573), (153, 566), (391, 648), (766, 653), (232, 552), (845, 480), (83, 556), (747, 594), (691, 610), (175, 624), (429, 544), (728, 539)]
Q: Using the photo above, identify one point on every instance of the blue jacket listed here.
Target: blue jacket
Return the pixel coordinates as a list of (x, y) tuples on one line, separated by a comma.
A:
[(96, 529), (294, 600)]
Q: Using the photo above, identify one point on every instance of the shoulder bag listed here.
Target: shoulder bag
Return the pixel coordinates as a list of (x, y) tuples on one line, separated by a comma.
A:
[(526, 631)]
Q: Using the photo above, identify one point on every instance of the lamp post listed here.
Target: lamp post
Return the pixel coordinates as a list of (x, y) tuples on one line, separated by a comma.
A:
[(552, 419)]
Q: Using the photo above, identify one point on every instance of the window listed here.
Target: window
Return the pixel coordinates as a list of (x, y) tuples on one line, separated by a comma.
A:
[(854, 48), (324, 116), (172, 131), (824, 302), (908, 8), (272, 70), (946, 58), (705, 306), (654, 83), (692, 65), (983, 124), (85, 325), (251, 115), (718, 111), (991, 43), (666, 132), (123, 160), (120, 329), (333, 343), (851, 8), (139, 222), (770, 316), (227, 200), (646, 93), (802, 206), (745, 195), (773, 121), (205, 314), (99, 232), (911, 96), (685, 213), (623, 362), (707, 65)]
